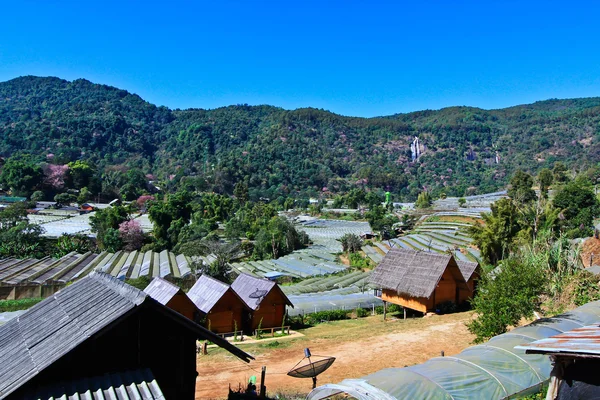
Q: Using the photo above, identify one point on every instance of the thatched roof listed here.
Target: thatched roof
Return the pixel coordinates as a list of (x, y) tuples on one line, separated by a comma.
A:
[(414, 273), (467, 268)]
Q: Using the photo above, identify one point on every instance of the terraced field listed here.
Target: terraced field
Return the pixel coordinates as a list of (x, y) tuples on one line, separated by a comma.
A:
[(435, 236)]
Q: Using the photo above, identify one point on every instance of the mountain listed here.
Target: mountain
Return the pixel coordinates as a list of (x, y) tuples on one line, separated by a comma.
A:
[(280, 151)]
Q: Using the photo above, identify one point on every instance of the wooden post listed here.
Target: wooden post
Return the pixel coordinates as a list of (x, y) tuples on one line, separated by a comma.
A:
[(404, 309), (384, 309), (263, 388)]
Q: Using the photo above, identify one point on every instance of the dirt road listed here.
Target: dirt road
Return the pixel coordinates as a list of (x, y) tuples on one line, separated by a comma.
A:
[(360, 346)]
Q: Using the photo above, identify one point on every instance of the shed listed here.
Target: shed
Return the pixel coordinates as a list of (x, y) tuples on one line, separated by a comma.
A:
[(264, 297), (576, 359), (220, 306), (172, 296), (422, 280), (100, 326)]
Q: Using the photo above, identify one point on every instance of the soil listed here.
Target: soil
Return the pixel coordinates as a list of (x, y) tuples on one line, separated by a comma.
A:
[(591, 246), (360, 346)]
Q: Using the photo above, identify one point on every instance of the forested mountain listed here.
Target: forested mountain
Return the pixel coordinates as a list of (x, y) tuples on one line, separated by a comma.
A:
[(281, 152)]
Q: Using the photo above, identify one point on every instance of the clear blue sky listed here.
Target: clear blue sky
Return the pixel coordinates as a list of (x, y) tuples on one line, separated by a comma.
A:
[(362, 58)]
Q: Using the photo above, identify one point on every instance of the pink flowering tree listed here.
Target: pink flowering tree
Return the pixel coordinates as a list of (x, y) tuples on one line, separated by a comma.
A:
[(55, 175), (131, 234), (142, 200)]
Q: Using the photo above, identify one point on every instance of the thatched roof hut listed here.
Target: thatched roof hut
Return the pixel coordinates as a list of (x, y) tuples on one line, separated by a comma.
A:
[(421, 280)]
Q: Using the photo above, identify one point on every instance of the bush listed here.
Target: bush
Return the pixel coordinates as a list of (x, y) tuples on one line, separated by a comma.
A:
[(360, 262), (326, 316), (140, 282), (16, 305), (391, 308), (506, 296)]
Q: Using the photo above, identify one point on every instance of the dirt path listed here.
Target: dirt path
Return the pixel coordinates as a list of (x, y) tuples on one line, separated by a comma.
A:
[(360, 346)]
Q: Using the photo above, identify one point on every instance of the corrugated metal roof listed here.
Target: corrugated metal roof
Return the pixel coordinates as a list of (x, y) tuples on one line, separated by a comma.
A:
[(162, 290), (74, 266), (134, 385), (206, 292), (415, 273), (50, 329), (582, 341), (246, 285)]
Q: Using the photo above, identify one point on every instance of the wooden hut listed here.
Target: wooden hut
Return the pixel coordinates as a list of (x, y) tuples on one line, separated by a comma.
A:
[(264, 297), (172, 296), (421, 280), (220, 307), (101, 337)]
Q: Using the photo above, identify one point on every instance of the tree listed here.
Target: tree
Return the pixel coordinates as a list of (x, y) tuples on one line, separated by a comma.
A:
[(278, 238), (496, 236), (22, 175), (351, 243), (560, 172), (545, 179), (81, 173), (169, 217), (462, 202), (64, 199), (66, 244), (38, 195), (505, 296), (131, 235), (18, 237), (241, 192), (84, 196), (520, 189), (105, 223), (55, 176), (578, 207), (423, 200)]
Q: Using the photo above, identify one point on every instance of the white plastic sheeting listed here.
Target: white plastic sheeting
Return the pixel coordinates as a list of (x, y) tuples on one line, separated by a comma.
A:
[(493, 370)]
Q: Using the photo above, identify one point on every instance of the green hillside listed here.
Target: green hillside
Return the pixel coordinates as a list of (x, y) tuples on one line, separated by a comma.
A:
[(280, 152)]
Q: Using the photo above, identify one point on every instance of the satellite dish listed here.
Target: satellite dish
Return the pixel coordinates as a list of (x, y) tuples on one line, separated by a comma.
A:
[(312, 369), (258, 295)]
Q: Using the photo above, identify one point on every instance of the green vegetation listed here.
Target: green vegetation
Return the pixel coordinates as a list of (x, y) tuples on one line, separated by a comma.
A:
[(423, 200), (16, 305), (110, 140), (527, 241)]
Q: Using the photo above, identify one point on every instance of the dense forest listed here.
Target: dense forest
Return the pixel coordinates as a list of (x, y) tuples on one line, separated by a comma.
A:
[(297, 153)]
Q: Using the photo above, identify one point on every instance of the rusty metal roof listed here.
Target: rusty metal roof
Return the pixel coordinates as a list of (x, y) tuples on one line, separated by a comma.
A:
[(582, 341)]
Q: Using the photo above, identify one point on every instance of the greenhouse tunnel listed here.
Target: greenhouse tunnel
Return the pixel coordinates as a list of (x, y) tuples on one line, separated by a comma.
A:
[(492, 370)]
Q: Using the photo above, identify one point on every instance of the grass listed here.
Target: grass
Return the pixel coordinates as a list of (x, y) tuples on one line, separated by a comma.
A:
[(348, 330), (16, 305)]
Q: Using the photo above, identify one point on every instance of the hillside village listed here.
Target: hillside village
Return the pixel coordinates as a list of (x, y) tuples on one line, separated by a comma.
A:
[(469, 283)]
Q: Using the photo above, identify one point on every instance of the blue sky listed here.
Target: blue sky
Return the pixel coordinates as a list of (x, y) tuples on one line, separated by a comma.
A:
[(362, 58)]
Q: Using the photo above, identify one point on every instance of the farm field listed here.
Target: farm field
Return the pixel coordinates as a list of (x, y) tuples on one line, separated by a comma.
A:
[(438, 232), (361, 346)]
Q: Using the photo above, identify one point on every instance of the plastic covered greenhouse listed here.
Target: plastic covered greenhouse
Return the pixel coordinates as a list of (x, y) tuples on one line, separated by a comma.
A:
[(493, 370)]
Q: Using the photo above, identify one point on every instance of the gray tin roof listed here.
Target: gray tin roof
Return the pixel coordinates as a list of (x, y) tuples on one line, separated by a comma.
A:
[(162, 290), (246, 285), (43, 334), (129, 385), (206, 292)]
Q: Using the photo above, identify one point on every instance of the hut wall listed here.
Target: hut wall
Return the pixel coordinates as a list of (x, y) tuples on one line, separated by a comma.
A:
[(446, 289), (229, 308), (421, 304), (183, 305), (271, 310), (145, 339)]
